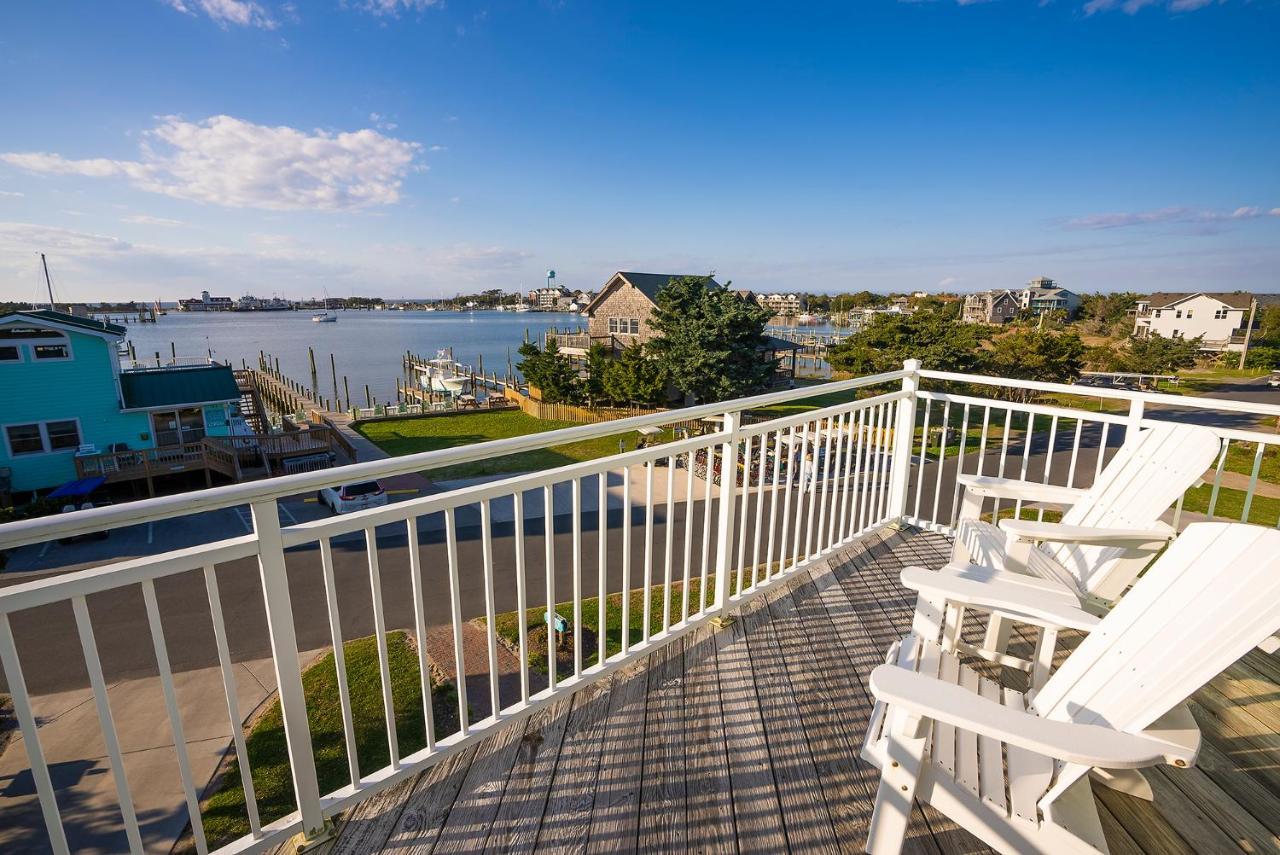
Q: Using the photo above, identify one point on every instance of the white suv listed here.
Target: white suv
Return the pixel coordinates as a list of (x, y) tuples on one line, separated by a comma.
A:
[(345, 498)]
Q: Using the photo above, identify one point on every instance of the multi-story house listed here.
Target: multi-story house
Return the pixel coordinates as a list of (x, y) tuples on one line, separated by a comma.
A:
[(990, 307), (1043, 295), (548, 299), (1220, 319), (71, 407), (781, 304)]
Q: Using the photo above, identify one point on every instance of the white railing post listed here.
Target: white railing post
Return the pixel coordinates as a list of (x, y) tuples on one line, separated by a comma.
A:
[(284, 655), (904, 433), (724, 532), (1136, 407)]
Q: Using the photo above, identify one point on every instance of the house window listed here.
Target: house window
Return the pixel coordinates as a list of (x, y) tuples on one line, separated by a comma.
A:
[(62, 435), (10, 353), (178, 427), (624, 326), (1188, 314), (24, 439), (1157, 313), (50, 351), (42, 437), (1220, 315), (1178, 313)]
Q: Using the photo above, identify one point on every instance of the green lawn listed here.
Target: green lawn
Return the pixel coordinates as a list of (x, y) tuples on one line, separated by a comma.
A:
[(430, 433), (224, 812), (508, 623), (1230, 505)]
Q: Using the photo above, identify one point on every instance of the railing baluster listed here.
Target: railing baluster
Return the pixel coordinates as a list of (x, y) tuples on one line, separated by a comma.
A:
[(731, 423), (109, 736), (894, 415), (490, 612), (233, 706), (837, 471), (955, 489), (1102, 450), (31, 738), (690, 504), (380, 642), (708, 486), (549, 549), (774, 489), (1048, 458), (455, 607), (1026, 458), (793, 462), (626, 559), (1217, 479), (802, 491), (645, 605), (175, 718), (741, 560), (924, 456), (419, 626), (522, 593), (942, 460), (881, 435), (1004, 455), (668, 573), (1253, 484), (763, 454), (856, 498), (575, 497), (819, 541), (602, 564), (841, 512), (288, 667)]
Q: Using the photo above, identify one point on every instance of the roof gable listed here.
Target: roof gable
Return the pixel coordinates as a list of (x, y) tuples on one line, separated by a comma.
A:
[(64, 322), (1166, 300), (648, 284)]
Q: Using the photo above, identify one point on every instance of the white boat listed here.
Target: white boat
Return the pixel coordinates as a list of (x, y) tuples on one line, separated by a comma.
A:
[(440, 375), (522, 307), (324, 318)]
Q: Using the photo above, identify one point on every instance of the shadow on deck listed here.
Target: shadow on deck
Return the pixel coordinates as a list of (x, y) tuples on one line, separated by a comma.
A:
[(747, 739)]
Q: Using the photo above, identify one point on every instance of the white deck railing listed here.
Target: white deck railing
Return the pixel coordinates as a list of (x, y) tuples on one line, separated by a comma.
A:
[(758, 503)]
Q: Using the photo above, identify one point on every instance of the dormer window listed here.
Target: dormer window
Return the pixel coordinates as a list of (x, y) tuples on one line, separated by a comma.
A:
[(34, 343), (51, 351)]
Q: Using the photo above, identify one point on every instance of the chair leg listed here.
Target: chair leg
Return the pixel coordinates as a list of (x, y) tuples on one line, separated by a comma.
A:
[(898, 779), (952, 624), (1043, 661), (999, 628)]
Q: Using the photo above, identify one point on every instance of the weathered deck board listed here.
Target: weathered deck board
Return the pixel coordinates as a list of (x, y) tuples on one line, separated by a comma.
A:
[(746, 739)]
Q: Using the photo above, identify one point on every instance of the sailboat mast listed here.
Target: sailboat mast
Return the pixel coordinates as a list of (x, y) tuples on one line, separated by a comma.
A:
[(48, 283)]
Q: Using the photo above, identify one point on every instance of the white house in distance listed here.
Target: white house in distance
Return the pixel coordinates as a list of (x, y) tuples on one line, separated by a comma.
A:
[(781, 304), (1220, 318)]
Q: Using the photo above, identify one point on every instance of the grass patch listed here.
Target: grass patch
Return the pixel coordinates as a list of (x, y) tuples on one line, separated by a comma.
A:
[(224, 812), (1264, 510), (399, 437), (1051, 515), (508, 623)]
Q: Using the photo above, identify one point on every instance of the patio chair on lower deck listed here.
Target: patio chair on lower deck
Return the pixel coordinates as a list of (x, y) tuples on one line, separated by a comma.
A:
[(1013, 769)]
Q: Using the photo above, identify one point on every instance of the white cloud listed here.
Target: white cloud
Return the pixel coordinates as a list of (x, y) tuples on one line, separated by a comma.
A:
[(12, 194), (227, 161), (393, 8), (438, 148), (148, 220), (948, 281), (1122, 219), (241, 13), (1133, 7)]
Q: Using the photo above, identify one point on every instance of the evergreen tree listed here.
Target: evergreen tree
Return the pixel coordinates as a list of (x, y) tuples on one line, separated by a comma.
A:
[(635, 378), (555, 378), (709, 340)]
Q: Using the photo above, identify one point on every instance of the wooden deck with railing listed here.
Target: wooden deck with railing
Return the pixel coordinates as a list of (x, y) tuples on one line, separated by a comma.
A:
[(746, 739)]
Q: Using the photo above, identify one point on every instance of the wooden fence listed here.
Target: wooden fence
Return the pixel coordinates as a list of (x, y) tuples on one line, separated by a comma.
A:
[(579, 415)]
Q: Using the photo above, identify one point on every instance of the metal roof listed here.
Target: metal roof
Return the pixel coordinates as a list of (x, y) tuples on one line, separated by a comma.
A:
[(176, 387), (88, 324)]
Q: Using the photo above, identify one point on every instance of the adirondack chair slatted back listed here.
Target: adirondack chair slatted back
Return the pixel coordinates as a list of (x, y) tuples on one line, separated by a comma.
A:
[(1139, 484), (1211, 597)]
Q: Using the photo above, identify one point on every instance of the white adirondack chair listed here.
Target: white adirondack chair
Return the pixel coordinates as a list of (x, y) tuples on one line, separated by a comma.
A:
[(1108, 532), (1013, 769)]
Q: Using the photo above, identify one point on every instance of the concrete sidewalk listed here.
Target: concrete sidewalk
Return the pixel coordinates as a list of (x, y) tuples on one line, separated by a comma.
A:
[(72, 741)]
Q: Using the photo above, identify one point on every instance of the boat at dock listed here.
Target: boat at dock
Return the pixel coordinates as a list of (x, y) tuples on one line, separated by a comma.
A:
[(442, 376)]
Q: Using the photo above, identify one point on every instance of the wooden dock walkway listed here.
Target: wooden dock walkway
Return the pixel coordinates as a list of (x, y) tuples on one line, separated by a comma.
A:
[(747, 739)]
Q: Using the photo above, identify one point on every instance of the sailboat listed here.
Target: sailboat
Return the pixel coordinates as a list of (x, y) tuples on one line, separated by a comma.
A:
[(325, 317)]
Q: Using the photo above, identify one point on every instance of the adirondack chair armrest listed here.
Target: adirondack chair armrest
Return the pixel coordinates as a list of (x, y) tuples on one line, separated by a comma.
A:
[(1022, 598), (989, 486), (1030, 531), (1087, 744)]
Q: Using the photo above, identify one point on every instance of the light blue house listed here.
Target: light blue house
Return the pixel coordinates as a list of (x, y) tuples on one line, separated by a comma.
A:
[(69, 407)]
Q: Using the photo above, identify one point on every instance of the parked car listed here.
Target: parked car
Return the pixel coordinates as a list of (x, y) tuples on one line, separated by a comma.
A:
[(356, 496), (1274, 380)]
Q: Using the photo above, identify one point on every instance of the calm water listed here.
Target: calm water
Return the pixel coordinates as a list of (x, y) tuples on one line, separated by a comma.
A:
[(367, 346)]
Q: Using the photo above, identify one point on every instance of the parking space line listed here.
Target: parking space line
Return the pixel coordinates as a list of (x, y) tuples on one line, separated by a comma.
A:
[(151, 532)]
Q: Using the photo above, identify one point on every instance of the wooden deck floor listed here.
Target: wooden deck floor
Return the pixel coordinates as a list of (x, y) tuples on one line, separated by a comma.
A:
[(746, 739)]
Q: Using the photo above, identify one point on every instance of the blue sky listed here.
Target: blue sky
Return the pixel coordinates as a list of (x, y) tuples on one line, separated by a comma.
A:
[(409, 148)]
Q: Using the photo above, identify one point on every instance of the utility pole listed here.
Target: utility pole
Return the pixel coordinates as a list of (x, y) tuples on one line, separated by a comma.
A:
[(1248, 331), (48, 283)]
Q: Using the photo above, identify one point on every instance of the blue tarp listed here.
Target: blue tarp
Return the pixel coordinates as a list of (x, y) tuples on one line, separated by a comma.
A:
[(79, 487)]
